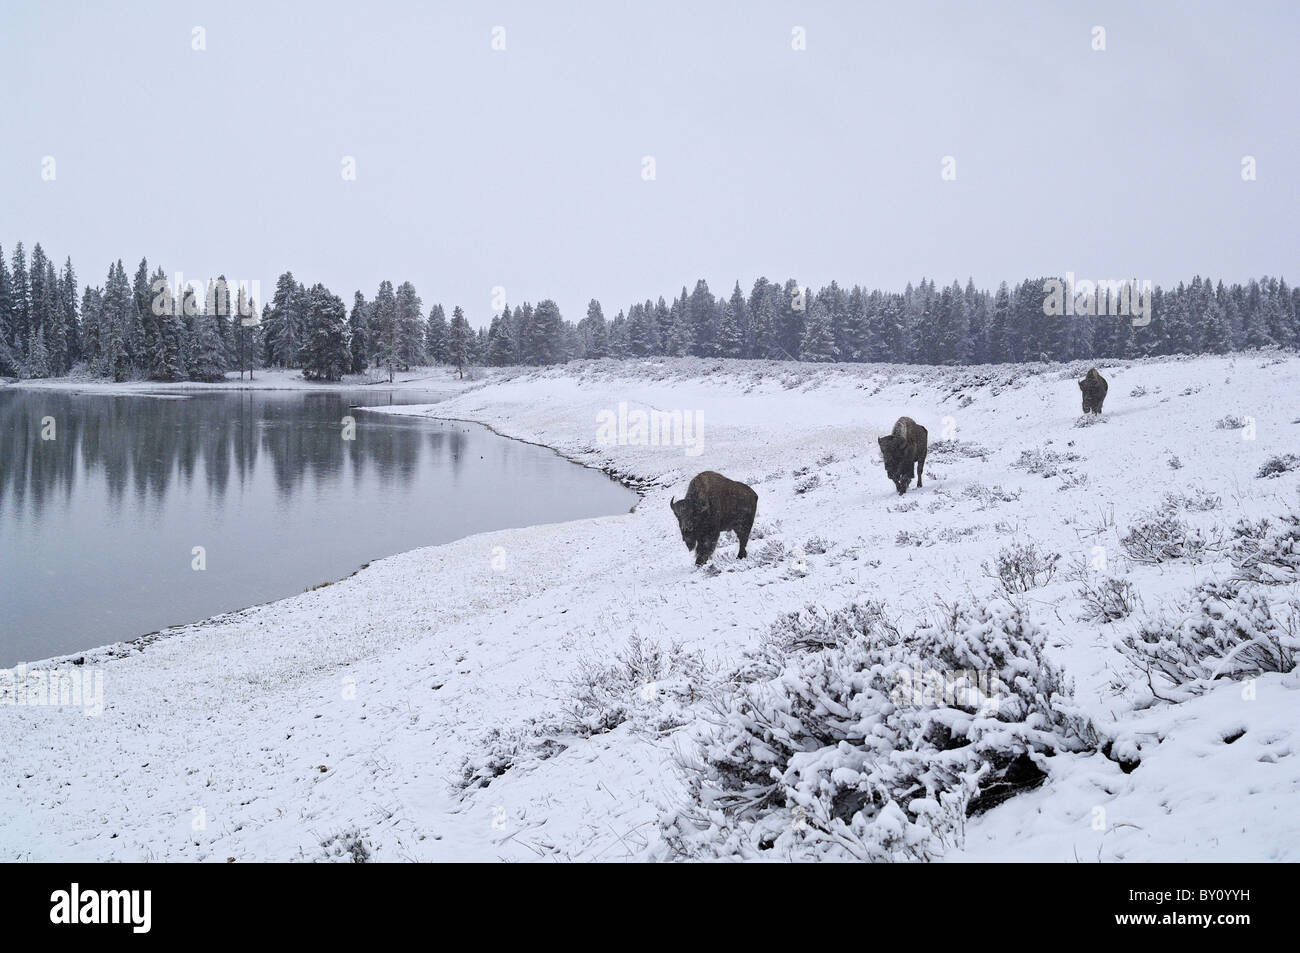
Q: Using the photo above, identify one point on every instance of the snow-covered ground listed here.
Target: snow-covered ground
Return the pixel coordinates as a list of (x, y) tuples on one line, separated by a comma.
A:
[(485, 699)]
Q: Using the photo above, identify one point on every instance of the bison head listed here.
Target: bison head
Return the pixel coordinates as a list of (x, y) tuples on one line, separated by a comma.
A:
[(688, 513), (897, 467)]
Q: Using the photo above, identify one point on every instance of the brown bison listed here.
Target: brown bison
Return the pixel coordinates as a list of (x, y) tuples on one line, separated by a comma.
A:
[(1094, 389), (711, 505), (907, 445)]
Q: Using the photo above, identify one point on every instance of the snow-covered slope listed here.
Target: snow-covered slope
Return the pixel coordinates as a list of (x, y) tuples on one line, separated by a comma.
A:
[(531, 694)]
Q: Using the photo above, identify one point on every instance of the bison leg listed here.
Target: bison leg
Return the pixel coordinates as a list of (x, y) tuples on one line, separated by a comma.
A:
[(704, 549), (743, 535), (920, 466)]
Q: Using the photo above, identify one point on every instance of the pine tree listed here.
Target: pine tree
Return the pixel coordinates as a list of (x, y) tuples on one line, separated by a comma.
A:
[(245, 332), (999, 346), (459, 342), (10, 354), (546, 339), (143, 292), (20, 301), (53, 323), (327, 351), (818, 344), (501, 350), (38, 364), (1216, 334), (357, 326), (731, 334), (70, 317), (594, 331), (209, 362), (435, 335), (410, 327), (383, 327)]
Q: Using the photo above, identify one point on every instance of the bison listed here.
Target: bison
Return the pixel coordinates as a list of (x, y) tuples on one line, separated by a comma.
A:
[(711, 505), (907, 445), (1094, 389)]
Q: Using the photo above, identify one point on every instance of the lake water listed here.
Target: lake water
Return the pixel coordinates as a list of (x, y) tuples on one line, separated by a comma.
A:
[(98, 526)]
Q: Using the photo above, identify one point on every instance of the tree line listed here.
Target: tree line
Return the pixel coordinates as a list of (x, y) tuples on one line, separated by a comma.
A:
[(142, 327)]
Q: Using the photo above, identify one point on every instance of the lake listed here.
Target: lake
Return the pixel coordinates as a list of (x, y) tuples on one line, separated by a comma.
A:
[(99, 525)]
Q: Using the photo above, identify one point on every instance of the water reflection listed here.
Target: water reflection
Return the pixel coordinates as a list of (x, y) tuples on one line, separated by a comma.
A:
[(98, 524)]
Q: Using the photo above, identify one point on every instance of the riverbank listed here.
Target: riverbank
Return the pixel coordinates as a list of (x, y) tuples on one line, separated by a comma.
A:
[(424, 708), (438, 380)]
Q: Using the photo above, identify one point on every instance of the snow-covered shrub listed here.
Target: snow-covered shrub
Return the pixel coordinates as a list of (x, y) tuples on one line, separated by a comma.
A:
[(847, 740), (941, 449), (1106, 598), (815, 545), (1271, 557), (1229, 422), (808, 483), (603, 694), (1174, 462), (909, 537), (1162, 535), (348, 846), (773, 553), (1090, 420), (1071, 480), (1043, 461), (989, 496), (1021, 567), (1138, 391), (1276, 466), (501, 748), (1226, 630), (1198, 500)]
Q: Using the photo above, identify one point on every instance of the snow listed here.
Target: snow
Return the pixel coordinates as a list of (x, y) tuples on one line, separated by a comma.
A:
[(348, 715)]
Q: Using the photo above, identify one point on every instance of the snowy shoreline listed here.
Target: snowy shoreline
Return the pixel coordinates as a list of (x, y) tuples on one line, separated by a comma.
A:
[(429, 666)]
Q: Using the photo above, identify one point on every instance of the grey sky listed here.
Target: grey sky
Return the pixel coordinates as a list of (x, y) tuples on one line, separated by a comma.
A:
[(523, 168)]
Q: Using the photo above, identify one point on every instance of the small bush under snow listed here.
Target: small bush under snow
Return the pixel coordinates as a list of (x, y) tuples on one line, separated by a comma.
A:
[(1021, 567), (844, 739), (1225, 630), (1162, 536), (1276, 466)]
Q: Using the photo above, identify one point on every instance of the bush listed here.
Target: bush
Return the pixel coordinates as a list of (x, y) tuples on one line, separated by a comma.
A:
[(1199, 500), (1226, 630), (1161, 536), (349, 846), (1106, 599), (989, 496), (1043, 461), (1021, 567), (1276, 466), (1268, 557), (844, 739)]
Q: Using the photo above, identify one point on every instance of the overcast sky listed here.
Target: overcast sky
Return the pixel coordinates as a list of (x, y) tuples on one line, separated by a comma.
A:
[(524, 167)]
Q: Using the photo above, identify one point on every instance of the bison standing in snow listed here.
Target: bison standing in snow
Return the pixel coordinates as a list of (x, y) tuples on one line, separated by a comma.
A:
[(712, 505), (1094, 390), (907, 445)]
